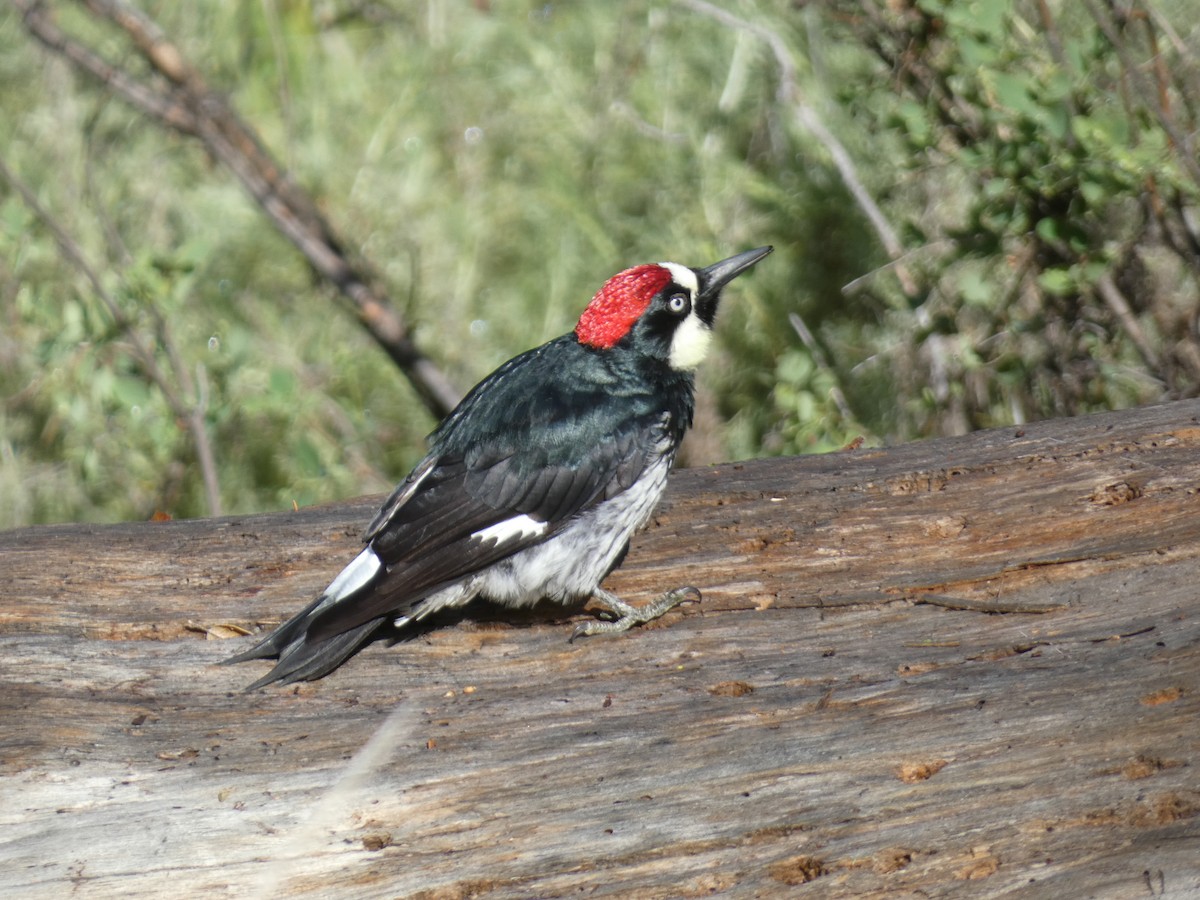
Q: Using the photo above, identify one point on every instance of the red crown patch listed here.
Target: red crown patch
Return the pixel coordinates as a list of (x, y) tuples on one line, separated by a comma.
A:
[(619, 304)]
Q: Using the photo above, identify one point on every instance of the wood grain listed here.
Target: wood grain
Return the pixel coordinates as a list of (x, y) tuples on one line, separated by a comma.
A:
[(963, 660)]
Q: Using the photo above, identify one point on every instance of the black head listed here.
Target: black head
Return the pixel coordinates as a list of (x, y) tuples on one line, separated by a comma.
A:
[(665, 310)]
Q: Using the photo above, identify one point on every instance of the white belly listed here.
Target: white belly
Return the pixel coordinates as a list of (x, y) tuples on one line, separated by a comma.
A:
[(571, 565)]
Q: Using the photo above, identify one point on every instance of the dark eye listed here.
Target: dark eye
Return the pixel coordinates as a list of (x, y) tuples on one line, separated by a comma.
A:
[(678, 304)]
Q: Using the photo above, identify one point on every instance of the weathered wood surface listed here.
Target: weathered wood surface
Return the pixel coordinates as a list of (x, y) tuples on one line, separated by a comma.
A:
[(964, 667)]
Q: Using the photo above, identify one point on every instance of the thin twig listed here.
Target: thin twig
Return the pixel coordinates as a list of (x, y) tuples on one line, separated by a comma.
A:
[(822, 361), (208, 464), (790, 95), (1115, 300), (857, 284), (193, 414), (197, 389), (1054, 43), (1148, 92), (642, 127)]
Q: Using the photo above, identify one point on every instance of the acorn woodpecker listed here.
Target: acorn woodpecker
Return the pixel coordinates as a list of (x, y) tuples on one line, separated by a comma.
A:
[(535, 483)]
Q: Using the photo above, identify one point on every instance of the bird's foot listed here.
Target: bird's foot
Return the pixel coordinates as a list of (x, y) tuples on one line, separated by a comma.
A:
[(626, 616)]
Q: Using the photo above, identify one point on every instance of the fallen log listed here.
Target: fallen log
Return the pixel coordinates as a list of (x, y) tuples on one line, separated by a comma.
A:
[(969, 659)]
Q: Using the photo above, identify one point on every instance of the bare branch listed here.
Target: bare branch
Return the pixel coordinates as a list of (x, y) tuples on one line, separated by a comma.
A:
[(165, 108), (187, 104)]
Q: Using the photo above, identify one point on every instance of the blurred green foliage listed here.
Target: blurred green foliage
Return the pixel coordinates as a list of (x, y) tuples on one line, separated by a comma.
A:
[(496, 162)]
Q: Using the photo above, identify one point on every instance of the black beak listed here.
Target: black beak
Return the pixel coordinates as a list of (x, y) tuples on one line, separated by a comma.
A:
[(719, 274)]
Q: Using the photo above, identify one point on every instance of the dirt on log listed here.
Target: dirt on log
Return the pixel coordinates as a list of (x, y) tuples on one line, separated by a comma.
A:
[(962, 667)]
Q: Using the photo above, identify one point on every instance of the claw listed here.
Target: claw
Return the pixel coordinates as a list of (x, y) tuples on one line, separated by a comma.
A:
[(626, 616)]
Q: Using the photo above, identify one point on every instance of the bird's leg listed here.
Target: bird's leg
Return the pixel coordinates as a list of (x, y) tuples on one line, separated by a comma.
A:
[(626, 616)]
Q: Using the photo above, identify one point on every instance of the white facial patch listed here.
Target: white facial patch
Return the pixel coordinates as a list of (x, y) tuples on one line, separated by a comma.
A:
[(689, 344), (518, 527)]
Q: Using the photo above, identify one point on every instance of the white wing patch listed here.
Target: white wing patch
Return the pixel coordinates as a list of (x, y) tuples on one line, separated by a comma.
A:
[(518, 527), (361, 572)]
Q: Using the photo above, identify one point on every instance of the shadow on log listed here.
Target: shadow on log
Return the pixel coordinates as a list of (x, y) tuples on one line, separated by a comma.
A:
[(971, 659)]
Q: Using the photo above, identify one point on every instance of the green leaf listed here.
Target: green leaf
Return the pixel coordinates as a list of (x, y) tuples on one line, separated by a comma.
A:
[(130, 391), (307, 457), (1092, 191), (1048, 230), (977, 52), (975, 289), (1057, 281), (282, 383), (794, 367), (1012, 90)]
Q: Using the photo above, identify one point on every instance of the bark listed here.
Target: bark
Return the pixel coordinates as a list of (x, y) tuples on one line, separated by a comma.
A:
[(974, 659)]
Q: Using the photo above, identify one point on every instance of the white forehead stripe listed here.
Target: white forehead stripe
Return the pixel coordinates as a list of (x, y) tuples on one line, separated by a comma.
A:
[(684, 277)]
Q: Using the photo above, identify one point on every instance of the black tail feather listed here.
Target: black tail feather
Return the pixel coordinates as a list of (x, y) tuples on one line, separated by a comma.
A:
[(302, 661), (280, 638), (300, 658)]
